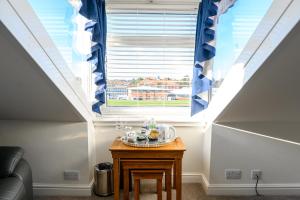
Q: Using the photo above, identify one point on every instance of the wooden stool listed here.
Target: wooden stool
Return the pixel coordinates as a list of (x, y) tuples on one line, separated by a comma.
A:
[(143, 164), (147, 174)]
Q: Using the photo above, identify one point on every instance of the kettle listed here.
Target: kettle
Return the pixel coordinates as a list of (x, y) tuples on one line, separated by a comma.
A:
[(166, 131)]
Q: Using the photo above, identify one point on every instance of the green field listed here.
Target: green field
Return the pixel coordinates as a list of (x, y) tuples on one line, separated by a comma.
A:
[(173, 103)]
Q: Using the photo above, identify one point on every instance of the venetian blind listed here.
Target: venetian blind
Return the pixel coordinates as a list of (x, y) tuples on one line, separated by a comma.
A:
[(150, 44)]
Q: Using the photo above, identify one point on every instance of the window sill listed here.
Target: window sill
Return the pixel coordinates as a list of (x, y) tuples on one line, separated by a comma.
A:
[(137, 116), (138, 123)]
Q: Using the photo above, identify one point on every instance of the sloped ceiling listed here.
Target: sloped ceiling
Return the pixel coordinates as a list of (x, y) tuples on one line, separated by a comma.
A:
[(272, 93), (269, 103), (26, 93)]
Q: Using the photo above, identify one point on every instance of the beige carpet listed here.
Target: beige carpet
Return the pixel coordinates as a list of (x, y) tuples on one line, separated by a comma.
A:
[(191, 191)]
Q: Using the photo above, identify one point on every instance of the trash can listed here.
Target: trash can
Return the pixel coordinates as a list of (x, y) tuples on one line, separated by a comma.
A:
[(104, 185)]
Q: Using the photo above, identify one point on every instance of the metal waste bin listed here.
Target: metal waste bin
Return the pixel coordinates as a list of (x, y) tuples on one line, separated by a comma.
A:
[(104, 185)]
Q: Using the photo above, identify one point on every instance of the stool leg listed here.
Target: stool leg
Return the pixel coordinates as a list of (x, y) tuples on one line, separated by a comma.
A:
[(168, 184), (126, 184), (159, 189), (121, 176), (136, 189), (174, 175)]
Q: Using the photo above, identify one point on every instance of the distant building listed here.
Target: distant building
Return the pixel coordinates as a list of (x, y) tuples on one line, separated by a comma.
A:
[(180, 94), (146, 89), (117, 89), (147, 93), (159, 83), (119, 92)]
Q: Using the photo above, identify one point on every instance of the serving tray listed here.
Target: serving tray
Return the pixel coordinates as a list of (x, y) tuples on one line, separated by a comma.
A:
[(146, 143)]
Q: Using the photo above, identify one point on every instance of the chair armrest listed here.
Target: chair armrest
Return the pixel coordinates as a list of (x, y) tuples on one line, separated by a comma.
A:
[(9, 158)]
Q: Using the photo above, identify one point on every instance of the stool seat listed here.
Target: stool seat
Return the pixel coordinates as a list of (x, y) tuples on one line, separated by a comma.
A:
[(149, 166), (147, 174)]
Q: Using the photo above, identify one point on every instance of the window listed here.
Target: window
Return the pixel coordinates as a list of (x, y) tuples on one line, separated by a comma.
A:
[(234, 30), (66, 29), (149, 57)]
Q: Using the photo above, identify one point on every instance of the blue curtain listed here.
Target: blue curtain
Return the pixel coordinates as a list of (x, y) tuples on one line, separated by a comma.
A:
[(203, 52), (94, 10)]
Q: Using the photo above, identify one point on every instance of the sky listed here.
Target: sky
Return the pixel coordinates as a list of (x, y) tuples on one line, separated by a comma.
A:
[(234, 29)]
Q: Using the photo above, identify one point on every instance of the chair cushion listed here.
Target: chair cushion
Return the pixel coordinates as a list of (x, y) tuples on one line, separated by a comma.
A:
[(11, 188), (9, 158)]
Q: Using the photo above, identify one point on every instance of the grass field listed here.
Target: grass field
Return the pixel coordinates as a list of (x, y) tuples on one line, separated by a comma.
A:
[(126, 103)]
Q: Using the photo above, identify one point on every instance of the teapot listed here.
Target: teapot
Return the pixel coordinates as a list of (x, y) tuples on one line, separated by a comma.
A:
[(166, 132)]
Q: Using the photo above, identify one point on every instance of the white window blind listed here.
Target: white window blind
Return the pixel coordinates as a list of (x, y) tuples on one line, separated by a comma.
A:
[(149, 57)]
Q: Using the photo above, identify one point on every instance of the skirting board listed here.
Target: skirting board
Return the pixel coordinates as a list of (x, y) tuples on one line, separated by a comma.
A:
[(210, 189), (248, 189), (192, 178), (62, 189), (85, 190)]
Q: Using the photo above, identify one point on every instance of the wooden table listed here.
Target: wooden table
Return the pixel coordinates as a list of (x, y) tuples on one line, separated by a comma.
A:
[(173, 151)]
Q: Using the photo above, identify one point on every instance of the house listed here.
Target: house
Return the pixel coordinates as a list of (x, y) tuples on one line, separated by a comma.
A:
[(249, 128)]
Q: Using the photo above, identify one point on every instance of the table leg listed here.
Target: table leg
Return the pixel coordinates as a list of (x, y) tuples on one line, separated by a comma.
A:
[(178, 178), (136, 189), (126, 184), (159, 189), (116, 179), (130, 182), (174, 175)]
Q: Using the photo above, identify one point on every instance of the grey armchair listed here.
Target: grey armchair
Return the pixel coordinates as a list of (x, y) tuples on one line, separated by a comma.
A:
[(15, 175)]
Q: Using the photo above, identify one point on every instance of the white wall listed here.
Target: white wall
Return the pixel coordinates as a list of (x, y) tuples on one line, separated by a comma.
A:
[(91, 148), (237, 149), (192, 137), (206, 150), (51, 148)]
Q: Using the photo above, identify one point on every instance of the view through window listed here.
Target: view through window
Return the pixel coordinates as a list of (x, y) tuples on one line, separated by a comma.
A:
[(149, 58)]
